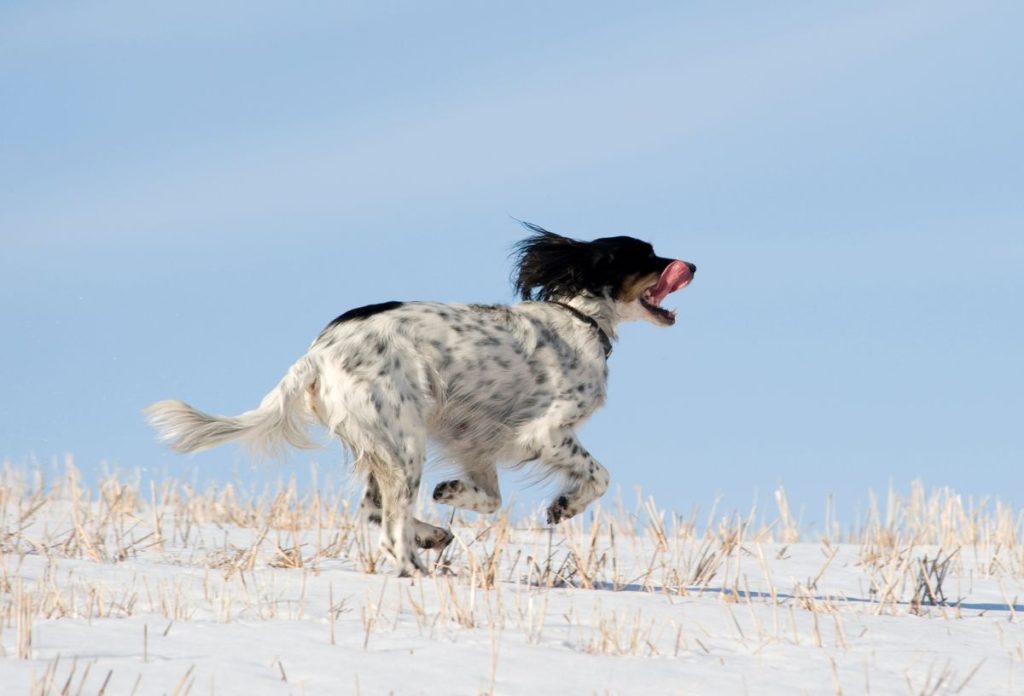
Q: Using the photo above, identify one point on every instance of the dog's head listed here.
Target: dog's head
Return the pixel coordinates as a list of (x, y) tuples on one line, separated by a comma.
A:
[(621, 269)]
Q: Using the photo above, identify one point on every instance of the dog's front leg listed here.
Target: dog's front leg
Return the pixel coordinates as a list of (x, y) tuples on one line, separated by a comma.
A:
[(586, 479)]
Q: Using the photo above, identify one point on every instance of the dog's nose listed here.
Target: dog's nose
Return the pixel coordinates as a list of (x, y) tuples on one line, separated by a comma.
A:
[(692, 267)]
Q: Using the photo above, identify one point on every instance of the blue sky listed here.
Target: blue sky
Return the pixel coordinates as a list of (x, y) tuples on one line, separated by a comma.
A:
[(190, 191)]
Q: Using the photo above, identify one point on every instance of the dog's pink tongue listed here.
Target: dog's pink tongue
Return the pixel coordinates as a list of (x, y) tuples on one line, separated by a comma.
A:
[(676, 275)]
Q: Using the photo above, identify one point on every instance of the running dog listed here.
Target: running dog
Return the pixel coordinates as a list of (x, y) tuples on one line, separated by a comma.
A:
[(489, 384)]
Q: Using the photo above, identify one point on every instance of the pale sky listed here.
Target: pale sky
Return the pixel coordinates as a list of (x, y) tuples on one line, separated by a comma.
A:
[(190, 191)]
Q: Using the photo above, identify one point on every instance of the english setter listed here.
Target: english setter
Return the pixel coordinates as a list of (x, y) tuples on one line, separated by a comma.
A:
[(489, 384)]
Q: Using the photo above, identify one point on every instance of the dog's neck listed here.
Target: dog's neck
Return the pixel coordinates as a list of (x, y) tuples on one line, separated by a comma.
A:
[(600, 309)]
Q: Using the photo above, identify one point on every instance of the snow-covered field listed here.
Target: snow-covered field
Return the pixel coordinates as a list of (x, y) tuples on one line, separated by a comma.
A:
[(174, 591)]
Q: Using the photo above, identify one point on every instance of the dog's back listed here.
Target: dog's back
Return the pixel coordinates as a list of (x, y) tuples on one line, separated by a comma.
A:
[(471, 376)]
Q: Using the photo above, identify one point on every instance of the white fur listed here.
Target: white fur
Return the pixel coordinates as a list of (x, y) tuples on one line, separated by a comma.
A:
[(488, 384)]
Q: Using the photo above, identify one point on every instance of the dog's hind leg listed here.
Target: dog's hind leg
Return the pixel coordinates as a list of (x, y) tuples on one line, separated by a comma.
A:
[(480, 493), (587, 479), (427, 536), (398, 479), (382, 419)]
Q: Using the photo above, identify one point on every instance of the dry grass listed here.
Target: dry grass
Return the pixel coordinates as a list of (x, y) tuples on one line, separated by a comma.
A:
[(236, 547)]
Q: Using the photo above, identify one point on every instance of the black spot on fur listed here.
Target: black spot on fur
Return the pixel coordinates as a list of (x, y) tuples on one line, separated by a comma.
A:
[(556, 513), (446, 490)]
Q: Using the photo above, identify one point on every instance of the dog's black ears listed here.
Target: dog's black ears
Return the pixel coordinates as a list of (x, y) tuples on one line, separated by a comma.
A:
[(549, 265)]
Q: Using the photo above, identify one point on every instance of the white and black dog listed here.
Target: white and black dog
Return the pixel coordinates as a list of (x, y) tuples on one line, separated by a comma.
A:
[(488, 384)]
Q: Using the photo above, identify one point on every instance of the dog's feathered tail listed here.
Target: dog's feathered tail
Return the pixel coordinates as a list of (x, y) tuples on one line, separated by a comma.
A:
[(281, 419)]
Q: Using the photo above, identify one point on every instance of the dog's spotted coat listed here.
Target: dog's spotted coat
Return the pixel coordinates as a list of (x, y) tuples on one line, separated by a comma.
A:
[(488, 384)]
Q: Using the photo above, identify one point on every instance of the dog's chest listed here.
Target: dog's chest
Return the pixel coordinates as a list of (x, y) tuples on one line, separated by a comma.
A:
[(512, 372), (579, 384)]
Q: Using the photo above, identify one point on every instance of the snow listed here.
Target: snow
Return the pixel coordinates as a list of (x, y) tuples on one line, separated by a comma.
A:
[(200, 593)]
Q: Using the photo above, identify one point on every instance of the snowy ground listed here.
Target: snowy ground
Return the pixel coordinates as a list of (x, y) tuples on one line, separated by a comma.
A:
[(175, 593)]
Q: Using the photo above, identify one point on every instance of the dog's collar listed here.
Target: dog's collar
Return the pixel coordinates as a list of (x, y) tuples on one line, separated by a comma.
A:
[(606, 342)]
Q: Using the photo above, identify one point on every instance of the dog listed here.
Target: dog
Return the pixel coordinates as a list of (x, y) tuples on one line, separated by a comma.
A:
[(489, 384)]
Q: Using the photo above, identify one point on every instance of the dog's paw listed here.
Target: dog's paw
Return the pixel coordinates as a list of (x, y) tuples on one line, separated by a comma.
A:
[(435, 539), (448, 491), (410, 566), (559, 510), (467, 496)]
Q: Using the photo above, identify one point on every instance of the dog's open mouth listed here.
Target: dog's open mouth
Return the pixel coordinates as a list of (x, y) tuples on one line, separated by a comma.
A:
[(676, 276)]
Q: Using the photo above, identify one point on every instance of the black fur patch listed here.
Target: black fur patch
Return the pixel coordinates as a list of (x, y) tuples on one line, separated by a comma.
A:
[(362, 313), (550, 266)]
